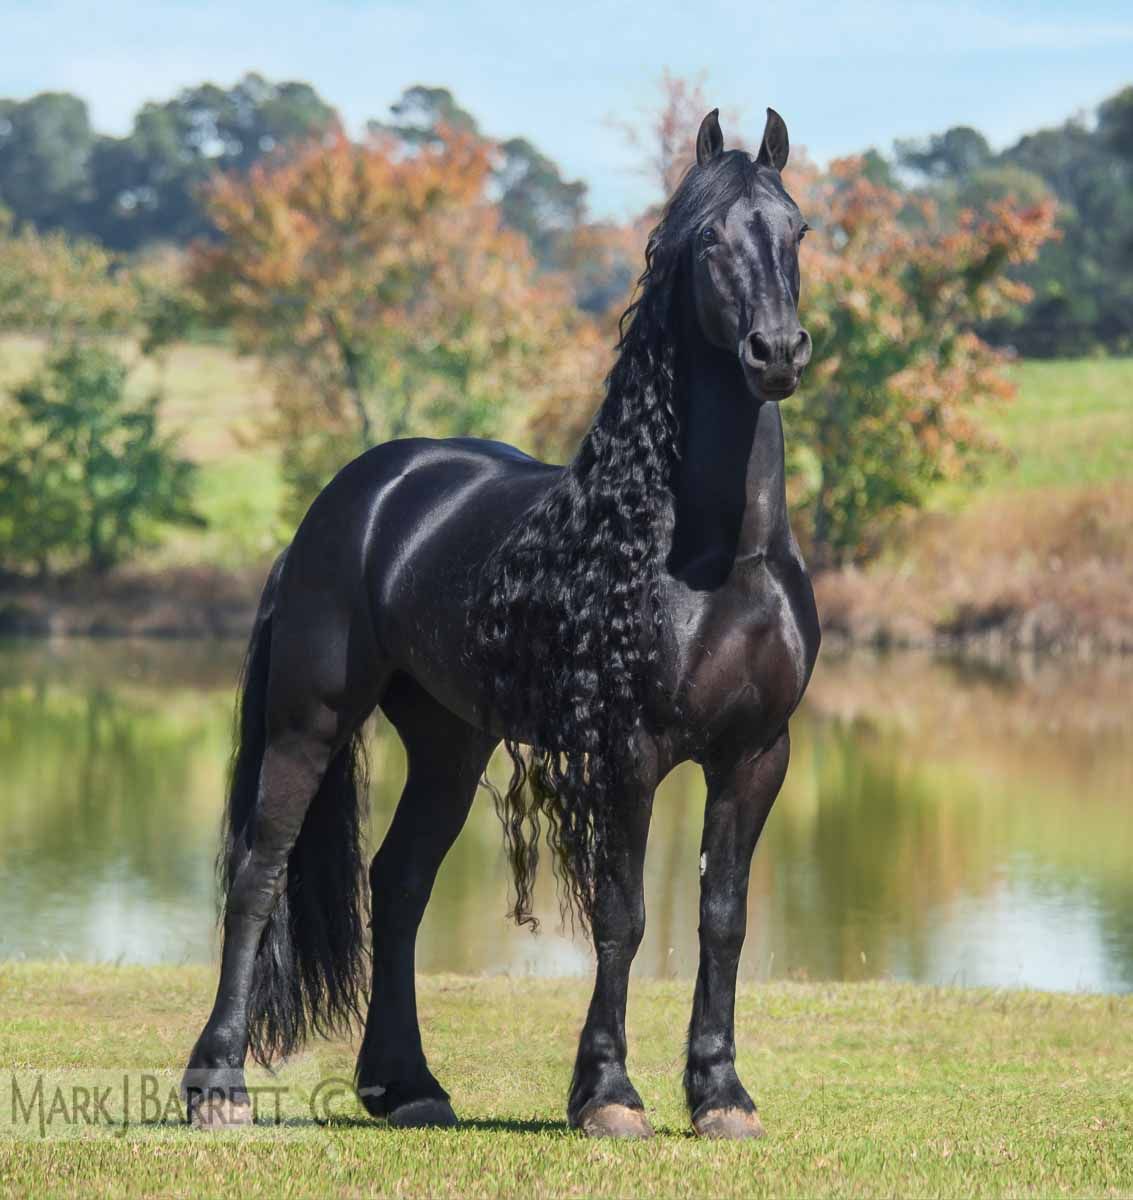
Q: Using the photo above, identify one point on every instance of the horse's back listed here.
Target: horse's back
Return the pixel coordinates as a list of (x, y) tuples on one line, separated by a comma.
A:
[(394, 488), (388, 557)]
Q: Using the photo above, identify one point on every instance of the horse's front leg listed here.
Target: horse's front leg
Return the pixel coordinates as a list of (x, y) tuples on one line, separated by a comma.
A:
[(603, 1102), (741, 791)]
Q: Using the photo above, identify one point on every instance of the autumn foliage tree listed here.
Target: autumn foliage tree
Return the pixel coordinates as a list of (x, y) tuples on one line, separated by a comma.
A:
[(60, 286), (892, 292), (892, 289), (381, 289)]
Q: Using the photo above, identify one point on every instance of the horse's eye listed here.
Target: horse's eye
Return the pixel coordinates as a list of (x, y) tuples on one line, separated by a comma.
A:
[(708, 236), (804, 231)]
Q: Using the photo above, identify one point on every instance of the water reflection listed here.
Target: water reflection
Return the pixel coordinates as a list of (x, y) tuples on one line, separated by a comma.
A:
[(938, 824)]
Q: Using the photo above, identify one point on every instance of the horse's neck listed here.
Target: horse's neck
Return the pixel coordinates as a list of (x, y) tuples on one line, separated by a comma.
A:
[(730, 487)]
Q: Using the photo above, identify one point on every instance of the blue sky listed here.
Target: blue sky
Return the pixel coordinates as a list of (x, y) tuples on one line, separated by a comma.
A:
[(845, 75)]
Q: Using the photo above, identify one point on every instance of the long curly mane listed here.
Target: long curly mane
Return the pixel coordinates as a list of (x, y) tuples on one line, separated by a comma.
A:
[(568, 621)]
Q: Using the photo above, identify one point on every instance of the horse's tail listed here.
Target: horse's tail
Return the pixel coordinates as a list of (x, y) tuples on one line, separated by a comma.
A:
[(312, 963)]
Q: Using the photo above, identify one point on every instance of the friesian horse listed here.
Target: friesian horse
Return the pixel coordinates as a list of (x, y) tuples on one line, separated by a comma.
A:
[(644, 605)]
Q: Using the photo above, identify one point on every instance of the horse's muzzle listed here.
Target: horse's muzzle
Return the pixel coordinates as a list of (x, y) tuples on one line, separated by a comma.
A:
[(773, 362)]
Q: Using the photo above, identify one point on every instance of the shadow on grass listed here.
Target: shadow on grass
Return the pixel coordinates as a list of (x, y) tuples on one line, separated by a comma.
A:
[(506, 1125), (478, 1124), (346, 1124)]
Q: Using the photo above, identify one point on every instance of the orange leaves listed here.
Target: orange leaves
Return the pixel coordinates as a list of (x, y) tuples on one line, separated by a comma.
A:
[(62, 285), (885, 257), (892, 294), (880, 249), (339, 225), (378, 283)]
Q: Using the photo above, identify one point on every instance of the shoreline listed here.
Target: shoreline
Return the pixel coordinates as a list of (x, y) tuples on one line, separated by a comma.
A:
[(857, 613), (860, 611), (177, 603)]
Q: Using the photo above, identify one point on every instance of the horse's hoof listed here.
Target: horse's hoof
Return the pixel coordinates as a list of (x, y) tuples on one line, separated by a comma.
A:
[(218, 1112), (615, 1120), (732, 1124), (423, 1114)]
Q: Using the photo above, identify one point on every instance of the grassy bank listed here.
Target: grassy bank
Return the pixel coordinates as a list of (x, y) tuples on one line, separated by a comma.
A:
[(1033, 550), (1070, 426), (866, 1089)]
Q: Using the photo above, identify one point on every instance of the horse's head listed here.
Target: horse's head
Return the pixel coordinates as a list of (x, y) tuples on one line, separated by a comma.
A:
[(743, 241)]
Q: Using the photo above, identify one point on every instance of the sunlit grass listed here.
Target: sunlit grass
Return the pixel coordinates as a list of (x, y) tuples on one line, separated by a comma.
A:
[(1044, 521), (866, 1089), (1069, 426), (239, 497), (1072, 423)]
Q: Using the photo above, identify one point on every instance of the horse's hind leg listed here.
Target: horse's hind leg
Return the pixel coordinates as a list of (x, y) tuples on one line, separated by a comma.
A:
[(292, 910), (292, 771), (445, 758)]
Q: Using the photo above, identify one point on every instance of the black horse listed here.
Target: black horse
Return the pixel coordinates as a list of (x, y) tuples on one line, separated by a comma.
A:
[(644, 605)]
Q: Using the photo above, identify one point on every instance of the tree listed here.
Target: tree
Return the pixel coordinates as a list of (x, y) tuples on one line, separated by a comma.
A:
[(56, 173), (147, 186), (949, 155), (890, 405), (51, 283), (87, 478), (45, 148), (893, 287), (996, 182), (534, 198), (421, 114), (1081, 283), (537, 201), (382, 290), (878, 169), (666, 138), (1115, 123)]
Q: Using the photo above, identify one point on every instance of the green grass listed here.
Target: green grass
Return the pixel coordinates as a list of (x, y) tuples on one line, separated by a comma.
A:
[(240, 498), (872, 1089), (1069, 426)]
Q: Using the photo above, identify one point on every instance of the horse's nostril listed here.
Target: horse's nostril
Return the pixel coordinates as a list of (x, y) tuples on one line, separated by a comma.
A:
[(800, 351), (760, 348)]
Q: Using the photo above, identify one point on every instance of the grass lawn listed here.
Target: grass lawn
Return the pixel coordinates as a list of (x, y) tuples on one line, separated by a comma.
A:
[(1069, 429), (1069, 426), (1035, 541), (873, 1089), (1072, 423)]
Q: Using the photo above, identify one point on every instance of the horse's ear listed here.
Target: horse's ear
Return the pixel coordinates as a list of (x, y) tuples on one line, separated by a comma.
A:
[(776, 145), (710, 139)]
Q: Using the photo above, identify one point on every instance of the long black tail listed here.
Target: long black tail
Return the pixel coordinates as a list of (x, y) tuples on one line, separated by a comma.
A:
[(312, 963)]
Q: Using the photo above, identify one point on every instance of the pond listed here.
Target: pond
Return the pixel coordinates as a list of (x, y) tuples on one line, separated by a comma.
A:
[(940, 823)]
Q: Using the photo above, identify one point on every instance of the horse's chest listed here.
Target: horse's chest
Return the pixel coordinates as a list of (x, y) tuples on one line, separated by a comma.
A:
[(743, 655)]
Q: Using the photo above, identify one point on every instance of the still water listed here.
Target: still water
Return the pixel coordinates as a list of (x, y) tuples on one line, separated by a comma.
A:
[(939, 823)]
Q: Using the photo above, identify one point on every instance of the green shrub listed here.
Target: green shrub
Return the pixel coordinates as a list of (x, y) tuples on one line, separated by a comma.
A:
[(86, 479)]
